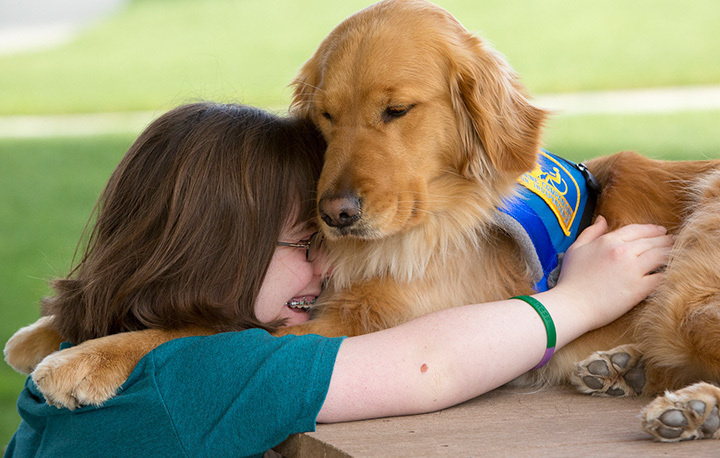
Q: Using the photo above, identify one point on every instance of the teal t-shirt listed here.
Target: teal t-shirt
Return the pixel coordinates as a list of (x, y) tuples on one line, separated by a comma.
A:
[(231, 394)]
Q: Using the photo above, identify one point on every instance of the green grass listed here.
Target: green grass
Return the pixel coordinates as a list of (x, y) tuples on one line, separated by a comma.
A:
[(49, 187), (48, 190), (157, 53)]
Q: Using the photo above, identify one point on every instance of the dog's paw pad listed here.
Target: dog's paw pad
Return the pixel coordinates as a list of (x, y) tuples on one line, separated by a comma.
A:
[(673, 422), (711, 424), (635, 377), (619, 372), (614, 391), (674, 418), (620, 360), (595, 383), (684, 414), (599, 367)]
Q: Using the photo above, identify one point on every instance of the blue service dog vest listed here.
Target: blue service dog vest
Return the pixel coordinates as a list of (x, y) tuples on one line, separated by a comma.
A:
[(553, 203)]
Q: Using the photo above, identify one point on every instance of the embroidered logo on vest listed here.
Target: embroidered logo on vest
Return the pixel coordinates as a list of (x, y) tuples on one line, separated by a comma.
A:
[(552, 182)]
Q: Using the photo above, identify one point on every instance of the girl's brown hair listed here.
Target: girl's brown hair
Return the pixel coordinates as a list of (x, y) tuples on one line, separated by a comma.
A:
[(188, 222)]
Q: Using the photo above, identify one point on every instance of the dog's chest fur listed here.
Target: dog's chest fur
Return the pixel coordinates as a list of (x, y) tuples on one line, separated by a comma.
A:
[(475, 267)]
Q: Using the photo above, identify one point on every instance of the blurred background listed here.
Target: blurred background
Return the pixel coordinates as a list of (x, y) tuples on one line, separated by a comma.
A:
[(79, 79)]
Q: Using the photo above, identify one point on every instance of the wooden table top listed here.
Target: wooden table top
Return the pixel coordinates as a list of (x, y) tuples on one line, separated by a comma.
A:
[(553, 422)]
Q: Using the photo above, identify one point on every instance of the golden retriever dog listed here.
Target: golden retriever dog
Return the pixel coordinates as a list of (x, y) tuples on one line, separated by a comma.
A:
[(428, 130)]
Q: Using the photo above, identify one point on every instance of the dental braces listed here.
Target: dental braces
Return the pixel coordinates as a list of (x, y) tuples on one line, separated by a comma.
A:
[(300, 304)]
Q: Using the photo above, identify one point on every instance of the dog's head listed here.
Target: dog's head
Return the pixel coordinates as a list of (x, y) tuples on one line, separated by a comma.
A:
[(416, 112)]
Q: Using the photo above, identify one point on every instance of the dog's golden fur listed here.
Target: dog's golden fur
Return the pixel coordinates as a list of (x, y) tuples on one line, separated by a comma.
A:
[(430, 181), (427, 129)]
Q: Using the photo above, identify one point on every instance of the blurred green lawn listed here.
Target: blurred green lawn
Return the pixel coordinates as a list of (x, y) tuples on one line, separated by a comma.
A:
[(48, 189), (159, 53)]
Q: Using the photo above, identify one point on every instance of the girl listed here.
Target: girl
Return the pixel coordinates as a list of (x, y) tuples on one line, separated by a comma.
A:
[(207, 223)]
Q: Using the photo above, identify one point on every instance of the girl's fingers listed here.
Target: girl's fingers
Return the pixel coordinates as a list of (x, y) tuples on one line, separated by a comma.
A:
[(592, 232), (639, 231), (647, 236), (653, 259), (653, 281), (663, 242)]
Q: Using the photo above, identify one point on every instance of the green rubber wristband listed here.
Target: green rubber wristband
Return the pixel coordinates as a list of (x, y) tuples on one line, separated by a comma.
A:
[(549, 328)]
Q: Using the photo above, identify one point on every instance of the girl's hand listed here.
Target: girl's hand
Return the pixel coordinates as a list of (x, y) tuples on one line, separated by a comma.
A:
[(608, 273)]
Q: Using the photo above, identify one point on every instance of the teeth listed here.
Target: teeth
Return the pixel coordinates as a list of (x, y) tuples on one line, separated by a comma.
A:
[(303, 304)]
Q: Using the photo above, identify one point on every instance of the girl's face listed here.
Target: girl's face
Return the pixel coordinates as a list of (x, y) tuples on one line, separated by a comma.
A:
[(290, 280)]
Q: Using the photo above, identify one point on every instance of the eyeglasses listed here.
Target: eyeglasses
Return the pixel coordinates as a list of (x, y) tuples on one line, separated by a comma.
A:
[(311, 245)]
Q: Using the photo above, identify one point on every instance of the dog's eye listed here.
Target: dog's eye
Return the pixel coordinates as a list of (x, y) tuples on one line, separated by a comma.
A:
[(326, 115), (393, 112)]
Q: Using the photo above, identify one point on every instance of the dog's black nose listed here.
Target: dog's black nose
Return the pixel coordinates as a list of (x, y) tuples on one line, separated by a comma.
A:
[(340, 212)]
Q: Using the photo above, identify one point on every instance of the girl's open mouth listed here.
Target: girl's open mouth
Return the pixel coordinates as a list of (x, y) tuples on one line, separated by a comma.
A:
[(301, 303)]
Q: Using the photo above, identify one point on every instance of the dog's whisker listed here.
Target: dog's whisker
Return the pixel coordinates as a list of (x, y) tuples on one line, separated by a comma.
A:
[(302, 104), (412, 204), (429, 195), (305, 83), (412, 209), (305, 94), (434, 199), (453, 173)]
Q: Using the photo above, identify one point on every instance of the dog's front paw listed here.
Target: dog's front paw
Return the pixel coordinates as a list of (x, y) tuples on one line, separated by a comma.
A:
[(29, 345), (75, 377), (689, 413), (618, 372)]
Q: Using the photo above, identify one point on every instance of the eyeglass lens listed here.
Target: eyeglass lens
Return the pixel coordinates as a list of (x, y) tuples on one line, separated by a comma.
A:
[(314, 245)]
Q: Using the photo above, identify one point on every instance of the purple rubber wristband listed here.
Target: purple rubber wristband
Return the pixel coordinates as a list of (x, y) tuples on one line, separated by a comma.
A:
[(546, 358)]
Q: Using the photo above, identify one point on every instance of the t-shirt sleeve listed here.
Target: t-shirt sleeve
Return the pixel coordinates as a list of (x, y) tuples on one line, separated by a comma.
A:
[(241, 393)]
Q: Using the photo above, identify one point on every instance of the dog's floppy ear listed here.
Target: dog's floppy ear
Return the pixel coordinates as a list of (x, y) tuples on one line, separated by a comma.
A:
[(495, 115), (304, 86)]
